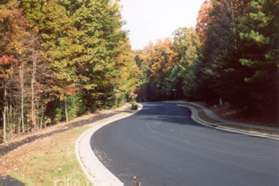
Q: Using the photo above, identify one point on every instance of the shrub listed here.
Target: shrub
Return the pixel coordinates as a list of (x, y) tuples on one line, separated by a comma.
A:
[(134, 106)]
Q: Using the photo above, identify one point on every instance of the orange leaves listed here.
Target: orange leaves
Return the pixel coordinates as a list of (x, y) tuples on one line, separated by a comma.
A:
[(14, 30), (203, 19), (5, 66), (70, 90), (159, 57), (6, 59), (13, 36)]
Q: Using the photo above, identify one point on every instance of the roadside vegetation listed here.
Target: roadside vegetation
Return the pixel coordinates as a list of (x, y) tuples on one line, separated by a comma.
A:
[(50, 161), (59, 60), (48, 156), (62, 59), (231, 58)]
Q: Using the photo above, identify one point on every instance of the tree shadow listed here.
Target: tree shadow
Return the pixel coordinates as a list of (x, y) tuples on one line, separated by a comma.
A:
[(169, 113), (9, 181)]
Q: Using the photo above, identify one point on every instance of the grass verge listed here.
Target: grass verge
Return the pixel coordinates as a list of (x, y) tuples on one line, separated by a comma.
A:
[(48, 158), (50, 161)]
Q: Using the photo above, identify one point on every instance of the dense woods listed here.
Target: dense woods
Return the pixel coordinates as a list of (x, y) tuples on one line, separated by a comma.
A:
[(232, 56), (60, 59)]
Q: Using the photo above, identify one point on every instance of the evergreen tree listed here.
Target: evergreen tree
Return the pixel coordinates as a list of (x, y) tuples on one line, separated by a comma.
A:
[(258, 52)]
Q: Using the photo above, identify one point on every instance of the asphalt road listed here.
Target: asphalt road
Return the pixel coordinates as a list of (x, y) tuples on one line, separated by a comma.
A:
[(163, 147)]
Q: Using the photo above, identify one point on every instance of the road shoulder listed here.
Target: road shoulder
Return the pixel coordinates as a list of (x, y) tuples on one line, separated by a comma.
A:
[(208, 118), (94, 169)]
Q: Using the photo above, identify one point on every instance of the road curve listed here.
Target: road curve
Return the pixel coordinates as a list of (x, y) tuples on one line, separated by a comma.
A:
[(163, 147)]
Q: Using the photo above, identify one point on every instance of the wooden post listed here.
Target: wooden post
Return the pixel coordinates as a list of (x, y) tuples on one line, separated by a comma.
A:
[(136, 182), (221, 103)]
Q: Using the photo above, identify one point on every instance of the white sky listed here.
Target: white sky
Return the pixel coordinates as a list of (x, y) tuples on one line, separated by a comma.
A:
[(150, 20)]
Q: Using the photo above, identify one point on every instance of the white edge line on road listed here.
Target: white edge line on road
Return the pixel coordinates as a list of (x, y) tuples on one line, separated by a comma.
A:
[(93, 168)]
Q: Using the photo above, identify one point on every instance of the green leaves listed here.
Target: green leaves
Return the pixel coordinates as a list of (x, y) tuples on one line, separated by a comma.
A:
[(240, 55), (85, 45), (233, 54), (254, 36)]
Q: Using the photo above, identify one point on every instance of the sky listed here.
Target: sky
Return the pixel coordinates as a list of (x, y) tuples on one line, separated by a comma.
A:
[(150, 20)]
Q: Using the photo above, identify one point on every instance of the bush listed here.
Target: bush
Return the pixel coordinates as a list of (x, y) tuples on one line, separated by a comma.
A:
[(76, 106), (58, 114), (134, 106), (56, 109)]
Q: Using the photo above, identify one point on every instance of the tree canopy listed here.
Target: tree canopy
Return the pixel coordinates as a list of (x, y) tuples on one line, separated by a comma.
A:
[(60, 59), (231, 55)]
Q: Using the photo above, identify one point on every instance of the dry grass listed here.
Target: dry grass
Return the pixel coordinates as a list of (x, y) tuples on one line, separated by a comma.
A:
[(47, 161), (48, 157)]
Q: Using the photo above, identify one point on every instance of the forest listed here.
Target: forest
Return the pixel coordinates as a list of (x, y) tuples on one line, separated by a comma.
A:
[(61, 59), (232, 56)]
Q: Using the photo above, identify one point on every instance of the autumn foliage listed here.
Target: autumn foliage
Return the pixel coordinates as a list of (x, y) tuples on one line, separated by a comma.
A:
[(230, 57), (60, 59)]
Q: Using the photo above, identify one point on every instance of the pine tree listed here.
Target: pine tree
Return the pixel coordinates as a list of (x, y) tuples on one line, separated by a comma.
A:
[(259, 52)]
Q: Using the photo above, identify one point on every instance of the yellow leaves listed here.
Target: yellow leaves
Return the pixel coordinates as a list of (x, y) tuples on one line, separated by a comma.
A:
[(14, 30), (160, 57), (203, 19), (4, 13)]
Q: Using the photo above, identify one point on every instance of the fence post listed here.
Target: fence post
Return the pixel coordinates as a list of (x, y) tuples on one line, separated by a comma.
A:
[(136, 182)]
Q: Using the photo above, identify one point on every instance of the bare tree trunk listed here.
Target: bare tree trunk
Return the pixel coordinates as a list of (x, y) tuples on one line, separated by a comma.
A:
[(33, 81), (66, 110), (4, 115), (21, 74), (41, 117), (4, 126)]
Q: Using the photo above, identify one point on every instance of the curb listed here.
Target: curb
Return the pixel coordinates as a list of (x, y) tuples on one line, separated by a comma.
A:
[(94, 169), (254, 133)]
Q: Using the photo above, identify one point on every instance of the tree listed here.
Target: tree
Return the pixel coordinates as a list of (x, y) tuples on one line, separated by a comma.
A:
[(259, 52), (157, 60), (239, 57), (58, 37), (102, 42), (12, 39), (203, 19), (186, 45), (59, 59)]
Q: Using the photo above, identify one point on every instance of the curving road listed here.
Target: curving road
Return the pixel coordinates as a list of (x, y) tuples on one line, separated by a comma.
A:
[(163, 147)]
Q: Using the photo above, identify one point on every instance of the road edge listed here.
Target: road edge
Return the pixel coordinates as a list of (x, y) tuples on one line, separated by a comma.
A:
[(196, 118), (94, 169)]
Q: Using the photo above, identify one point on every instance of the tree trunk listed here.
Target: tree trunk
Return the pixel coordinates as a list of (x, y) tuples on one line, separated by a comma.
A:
[(33, 81), (41, 117), (4, 115), (21, 74), (66, 110)]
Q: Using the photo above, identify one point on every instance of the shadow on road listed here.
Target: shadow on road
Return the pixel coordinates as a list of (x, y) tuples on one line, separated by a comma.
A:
[(179, 115)]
